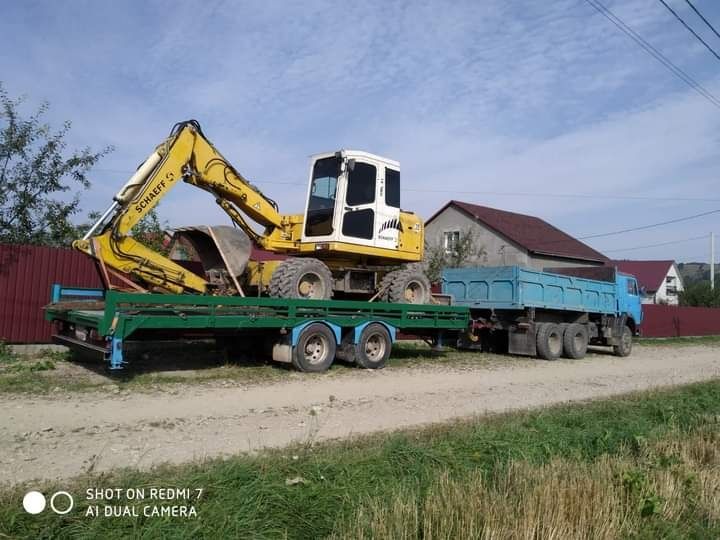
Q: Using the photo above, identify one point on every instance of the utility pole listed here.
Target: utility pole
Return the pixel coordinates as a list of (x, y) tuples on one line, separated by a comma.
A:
[(712, 260)]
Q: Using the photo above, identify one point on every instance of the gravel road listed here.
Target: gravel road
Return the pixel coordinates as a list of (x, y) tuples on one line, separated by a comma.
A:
[(63, 436)]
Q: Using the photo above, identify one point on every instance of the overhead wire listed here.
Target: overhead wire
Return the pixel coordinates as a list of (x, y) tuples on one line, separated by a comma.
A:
[(697, 11), (506, 193), (651, 226), (689, 29), (652, 51), (704, 237)]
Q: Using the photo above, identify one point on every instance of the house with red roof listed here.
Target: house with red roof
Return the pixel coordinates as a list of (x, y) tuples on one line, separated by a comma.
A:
[(508, 238), (659, 281)]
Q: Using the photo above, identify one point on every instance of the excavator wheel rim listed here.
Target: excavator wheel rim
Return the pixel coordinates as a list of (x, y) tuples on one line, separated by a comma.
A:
[(310, 286)]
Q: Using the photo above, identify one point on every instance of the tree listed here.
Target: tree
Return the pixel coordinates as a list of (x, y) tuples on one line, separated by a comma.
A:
[(150, 231), (465, 253), (700, 294), (39, 179)]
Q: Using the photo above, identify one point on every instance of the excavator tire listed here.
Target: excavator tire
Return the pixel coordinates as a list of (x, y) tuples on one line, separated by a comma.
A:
[(306, 278), (408, 285)]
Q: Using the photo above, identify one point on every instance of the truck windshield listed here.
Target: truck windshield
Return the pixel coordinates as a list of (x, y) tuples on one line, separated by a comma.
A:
[(321, 204)]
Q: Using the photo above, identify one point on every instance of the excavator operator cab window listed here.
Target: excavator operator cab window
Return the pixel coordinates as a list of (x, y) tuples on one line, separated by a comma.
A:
[(321, 206), (392, 188)]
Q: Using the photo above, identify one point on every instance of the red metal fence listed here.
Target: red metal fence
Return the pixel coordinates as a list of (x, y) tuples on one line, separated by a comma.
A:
[(26, 276), (675, 321)]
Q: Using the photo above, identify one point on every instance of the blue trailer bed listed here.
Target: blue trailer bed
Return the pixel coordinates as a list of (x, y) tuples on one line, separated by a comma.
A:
[(517, 288)]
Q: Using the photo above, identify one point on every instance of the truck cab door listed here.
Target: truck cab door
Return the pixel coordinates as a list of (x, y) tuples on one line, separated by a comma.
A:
[(629, 297)]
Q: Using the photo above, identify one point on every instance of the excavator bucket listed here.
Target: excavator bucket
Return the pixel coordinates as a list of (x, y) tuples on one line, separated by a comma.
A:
[(218, 252)]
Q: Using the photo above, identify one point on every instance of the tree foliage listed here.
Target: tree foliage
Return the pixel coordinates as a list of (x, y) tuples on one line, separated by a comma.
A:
[(700, 295), (40, 179), (150, 232), (466, 253)]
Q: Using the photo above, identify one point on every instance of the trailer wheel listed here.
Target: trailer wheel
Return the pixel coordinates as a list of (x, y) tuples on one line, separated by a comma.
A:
[(315, 349), (373, 347), (549, 341), (575, 341), (624, 346)]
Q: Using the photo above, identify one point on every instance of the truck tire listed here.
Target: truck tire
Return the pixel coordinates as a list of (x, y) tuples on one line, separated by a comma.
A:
[(624, 346), (306, 278), (408, 285), (549, 341), (373, 347), (315, 349), (575, 341)]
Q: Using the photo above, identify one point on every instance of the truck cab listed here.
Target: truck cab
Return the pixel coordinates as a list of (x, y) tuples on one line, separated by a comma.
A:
[(628, 299)]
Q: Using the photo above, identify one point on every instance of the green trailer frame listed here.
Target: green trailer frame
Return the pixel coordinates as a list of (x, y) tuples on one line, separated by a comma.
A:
[(113, 317)]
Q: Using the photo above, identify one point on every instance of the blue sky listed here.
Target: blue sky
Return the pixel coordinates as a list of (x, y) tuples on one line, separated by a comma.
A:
[(491, 97)]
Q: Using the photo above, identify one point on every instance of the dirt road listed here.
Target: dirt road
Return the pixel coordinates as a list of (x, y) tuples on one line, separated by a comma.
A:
[(51, 437)]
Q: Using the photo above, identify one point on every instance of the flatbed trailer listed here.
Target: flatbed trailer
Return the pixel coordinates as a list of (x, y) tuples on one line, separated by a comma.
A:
[(309, 334)]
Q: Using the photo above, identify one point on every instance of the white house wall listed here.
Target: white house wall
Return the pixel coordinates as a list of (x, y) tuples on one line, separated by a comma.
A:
[(498, 250), (662, 296)]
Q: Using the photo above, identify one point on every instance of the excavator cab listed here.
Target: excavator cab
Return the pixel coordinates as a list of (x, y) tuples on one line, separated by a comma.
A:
[(353, 199)]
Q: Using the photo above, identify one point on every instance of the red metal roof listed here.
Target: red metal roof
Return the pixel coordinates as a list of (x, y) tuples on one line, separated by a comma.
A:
[(650, 274), (529, 232)]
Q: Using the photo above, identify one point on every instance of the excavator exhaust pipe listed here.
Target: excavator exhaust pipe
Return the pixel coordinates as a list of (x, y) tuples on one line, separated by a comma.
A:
[(220, 253)]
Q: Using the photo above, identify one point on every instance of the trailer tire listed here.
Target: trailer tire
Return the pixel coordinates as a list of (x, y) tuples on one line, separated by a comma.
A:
[(305, 277), (315, 349), (575, 341), (549, 341), (373, 348), (624, 346)]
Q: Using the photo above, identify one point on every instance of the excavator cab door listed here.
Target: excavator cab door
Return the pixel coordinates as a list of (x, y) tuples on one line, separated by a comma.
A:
[(358, 213)]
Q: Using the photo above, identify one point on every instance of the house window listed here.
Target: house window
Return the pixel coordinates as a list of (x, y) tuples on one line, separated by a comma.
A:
[(671, 291), (669, 279), (451, 241)]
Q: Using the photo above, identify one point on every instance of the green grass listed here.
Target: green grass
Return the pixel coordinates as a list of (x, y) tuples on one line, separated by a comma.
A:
[(698, 340), (249, 496)]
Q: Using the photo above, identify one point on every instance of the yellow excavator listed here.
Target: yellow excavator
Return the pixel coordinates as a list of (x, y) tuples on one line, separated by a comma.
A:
[(353, 241)]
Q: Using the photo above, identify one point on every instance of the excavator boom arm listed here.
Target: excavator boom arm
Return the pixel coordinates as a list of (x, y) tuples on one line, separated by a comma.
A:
[(185, 155)]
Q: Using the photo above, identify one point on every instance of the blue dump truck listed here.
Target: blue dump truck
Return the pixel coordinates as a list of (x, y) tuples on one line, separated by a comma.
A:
[(550, 313)]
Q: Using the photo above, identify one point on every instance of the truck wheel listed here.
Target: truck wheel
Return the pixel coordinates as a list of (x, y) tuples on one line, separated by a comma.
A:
[(575, 341), (408, 285), (624, 346), (315, 349), (301, 278), (549, 341), (373, 347)]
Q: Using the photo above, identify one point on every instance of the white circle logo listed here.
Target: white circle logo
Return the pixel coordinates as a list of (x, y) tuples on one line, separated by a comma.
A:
[(71, 502), (34, 502)]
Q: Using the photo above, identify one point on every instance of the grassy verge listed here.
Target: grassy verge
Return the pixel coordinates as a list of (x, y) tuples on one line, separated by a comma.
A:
[(698, 340), (46, 372), (653, 455), (165, 368)]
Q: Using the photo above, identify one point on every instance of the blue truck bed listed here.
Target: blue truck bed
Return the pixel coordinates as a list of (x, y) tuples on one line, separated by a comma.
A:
[(514, 287)]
